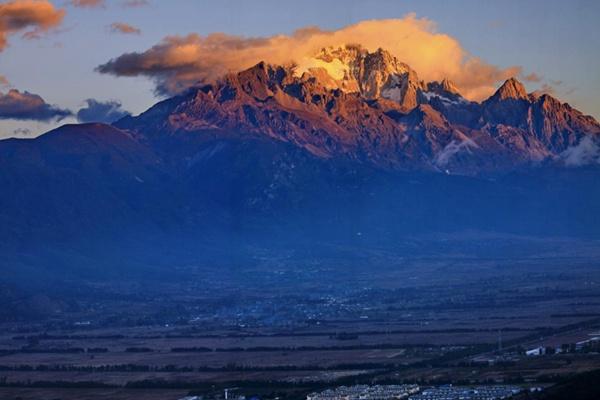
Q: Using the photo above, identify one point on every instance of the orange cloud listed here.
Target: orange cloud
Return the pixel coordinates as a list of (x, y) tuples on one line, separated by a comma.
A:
[(32, 16), (180, 61), (121, 27), (4, 81)]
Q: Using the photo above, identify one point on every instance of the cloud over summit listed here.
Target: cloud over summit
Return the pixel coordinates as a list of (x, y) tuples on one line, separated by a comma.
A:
[(180, 61)]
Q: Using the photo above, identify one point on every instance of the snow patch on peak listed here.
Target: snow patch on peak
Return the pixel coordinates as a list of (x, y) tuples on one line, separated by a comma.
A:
[(335, 68), (456, 101)]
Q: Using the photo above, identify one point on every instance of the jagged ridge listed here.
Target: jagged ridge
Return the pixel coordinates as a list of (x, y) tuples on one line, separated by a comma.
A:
[(373, 109)]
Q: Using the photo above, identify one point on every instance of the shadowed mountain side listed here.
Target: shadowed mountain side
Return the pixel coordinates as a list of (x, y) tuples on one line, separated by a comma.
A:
[(91, 180)]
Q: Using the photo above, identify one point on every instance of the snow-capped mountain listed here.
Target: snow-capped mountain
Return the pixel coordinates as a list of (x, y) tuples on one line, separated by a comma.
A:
[(347, 128), (370, 108)]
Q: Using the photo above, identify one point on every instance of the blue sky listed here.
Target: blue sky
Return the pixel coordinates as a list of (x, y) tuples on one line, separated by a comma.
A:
[(557, 40)]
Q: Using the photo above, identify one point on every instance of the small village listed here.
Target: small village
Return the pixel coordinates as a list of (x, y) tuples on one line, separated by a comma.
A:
[(400, 392)]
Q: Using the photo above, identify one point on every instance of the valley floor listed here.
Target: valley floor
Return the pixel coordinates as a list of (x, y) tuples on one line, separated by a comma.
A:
[(286, 326)]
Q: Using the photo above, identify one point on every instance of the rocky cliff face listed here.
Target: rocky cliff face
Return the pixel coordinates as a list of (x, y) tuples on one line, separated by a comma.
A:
[(377, 75), (541, 126)]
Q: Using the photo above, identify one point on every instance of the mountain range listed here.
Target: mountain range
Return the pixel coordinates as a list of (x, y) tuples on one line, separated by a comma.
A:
[(370, 108), (354, 141)]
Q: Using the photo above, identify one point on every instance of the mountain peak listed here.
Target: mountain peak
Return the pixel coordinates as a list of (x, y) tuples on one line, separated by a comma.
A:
[(377, 74), (449, 86), (511, 89), (445, 88)]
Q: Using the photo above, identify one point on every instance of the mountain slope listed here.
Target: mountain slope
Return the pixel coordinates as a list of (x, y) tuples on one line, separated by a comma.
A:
[(76, 176)]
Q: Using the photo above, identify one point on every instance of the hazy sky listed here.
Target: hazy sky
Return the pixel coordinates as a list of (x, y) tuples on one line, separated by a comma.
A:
[(557, 41)]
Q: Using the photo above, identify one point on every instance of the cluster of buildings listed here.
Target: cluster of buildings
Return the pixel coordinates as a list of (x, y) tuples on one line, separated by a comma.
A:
[(398, 392), (467, 393), (414, 392), (584, 346), (366, 392)]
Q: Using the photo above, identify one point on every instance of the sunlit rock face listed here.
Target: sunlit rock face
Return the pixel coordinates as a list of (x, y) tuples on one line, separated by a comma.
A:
[(540, 125), (374, 75)]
